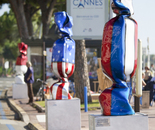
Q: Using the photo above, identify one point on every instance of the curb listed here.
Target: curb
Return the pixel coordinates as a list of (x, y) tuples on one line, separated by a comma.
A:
[(2, 96), (35, 126), (22, 114), (38, 107)]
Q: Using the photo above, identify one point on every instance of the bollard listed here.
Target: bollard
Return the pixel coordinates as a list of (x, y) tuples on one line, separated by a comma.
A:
[(85, 99)]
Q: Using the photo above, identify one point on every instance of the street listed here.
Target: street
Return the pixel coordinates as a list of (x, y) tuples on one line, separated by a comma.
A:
[(8, 118)]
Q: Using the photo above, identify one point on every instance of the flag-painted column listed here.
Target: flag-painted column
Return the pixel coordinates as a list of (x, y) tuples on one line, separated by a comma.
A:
[(63, 57)]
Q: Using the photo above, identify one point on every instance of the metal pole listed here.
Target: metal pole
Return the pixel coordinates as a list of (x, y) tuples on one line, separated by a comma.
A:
[(138, 78), (85, 99), (44, 61), (144, 61), (136, 104), (148, 61), (144, 56)]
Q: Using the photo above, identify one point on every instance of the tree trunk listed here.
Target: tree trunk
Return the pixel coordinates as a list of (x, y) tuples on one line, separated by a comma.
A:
[(81, 78), (47, 11), (28, 11), (18, 8)]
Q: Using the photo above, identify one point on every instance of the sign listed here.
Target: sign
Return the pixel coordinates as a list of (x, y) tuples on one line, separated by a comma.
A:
[(100, 122), (49, 73), (89, 18)]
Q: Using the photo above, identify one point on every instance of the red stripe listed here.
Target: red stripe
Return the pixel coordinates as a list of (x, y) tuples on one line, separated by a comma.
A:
[(106, 46), (59, 67), (105, 101), (72, 70), (66, 68), (63, 79), (59, 91), (136, 44)]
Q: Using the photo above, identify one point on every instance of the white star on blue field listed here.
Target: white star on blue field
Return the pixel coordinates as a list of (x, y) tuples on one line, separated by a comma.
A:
[(64, 51)]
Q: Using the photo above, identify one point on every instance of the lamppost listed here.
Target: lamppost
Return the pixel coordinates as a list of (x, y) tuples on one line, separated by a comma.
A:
[(148, 60), (144, 55)]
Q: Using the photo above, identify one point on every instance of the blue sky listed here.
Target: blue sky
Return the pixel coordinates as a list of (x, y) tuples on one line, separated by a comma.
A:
[(143, 14), (4, 8)]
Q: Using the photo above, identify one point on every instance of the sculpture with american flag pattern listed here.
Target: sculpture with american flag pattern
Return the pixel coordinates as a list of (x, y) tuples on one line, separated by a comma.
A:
[(63, 57)]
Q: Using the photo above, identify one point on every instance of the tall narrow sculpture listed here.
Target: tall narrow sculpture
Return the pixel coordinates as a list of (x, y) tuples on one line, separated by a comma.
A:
[(19, 87), (119, 58), (21, 67), (63, 57)]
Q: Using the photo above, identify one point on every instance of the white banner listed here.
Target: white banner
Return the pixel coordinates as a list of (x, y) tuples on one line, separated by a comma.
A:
[(49, 73), (89, 18)]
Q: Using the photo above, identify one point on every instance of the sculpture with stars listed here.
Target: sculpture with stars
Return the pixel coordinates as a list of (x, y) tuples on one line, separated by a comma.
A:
[(119, 58), (63, 57)]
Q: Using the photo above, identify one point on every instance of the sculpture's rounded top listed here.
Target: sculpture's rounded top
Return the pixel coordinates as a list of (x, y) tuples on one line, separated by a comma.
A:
[(122, 7), (64, 23)]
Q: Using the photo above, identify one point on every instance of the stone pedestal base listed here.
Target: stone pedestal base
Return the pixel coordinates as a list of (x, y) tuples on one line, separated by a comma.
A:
[(20, 91), (130, 122), (63, 114), (146, 99)]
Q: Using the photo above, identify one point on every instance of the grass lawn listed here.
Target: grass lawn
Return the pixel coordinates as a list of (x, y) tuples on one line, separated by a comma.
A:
[(95, 103), (41, 103)]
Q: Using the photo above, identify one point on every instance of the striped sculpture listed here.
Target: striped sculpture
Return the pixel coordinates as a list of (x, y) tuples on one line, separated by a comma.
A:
[(119, 58), (63, 57)]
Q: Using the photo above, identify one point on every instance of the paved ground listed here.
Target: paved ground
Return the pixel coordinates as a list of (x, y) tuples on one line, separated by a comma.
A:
[(8, 118), (37, 120)]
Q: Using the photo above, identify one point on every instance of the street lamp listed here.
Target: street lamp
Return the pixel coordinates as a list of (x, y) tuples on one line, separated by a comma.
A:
[(144, 55)]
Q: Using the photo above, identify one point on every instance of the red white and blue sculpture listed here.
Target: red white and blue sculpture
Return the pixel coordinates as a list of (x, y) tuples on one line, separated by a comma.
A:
[(63, 57), (119, 58), (21, 67)]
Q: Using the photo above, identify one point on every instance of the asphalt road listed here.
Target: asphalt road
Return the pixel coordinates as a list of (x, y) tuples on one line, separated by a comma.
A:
[(8, 118)]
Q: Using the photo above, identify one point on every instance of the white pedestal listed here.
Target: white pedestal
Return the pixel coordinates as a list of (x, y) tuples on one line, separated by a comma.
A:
[(63, 114), (146, 99), (130, 122), (19, 91)]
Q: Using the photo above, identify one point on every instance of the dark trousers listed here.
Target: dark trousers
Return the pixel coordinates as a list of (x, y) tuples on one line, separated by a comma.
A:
[(149, 87), (30, 92)]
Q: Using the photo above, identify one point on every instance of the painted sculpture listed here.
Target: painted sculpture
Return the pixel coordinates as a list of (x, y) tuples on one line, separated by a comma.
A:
[(63, 57), (21, 67), (119, 58)]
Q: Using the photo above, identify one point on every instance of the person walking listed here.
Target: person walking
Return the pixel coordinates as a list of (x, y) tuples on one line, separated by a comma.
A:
[(148, 75), (143, 85), (29, 79)]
